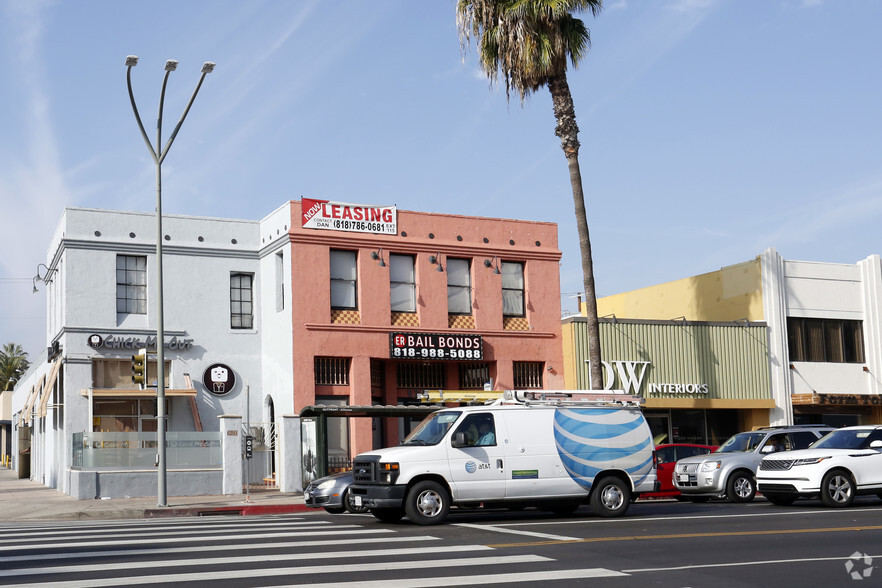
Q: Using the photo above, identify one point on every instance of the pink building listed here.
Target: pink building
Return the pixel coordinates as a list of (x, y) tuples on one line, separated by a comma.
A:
[(387, 304)]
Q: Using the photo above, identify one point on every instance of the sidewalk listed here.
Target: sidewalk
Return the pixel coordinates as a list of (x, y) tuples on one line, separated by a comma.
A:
[(28, 501)]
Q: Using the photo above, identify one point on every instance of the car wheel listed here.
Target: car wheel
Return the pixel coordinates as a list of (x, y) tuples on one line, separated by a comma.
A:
[(351, 507), (837, 489), (780, 498), (388, 515), (427, 503), (741, 487), (335, 509), (610, 497)]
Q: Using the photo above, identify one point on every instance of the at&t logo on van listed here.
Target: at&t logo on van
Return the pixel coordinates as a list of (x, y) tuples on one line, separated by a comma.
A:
[(471, 467)]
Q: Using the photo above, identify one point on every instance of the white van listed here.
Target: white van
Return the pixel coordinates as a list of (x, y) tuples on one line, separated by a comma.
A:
[(536, 448)]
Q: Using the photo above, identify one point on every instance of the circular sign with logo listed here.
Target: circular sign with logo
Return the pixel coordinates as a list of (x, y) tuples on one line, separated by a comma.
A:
[(219, 379), (95, 341)]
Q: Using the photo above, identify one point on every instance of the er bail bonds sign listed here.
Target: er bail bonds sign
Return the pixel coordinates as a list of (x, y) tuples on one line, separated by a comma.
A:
[(435, 346), (339, 216)]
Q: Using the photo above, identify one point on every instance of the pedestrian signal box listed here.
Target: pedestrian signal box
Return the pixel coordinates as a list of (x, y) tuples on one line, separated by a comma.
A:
[(249, 446)]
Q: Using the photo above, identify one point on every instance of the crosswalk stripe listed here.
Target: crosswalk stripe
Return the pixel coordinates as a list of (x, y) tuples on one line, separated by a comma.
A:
[(346, 530), (304, 570), (482, 580), (178, 533), (518, 532), (10, 534), (215, 561), (311, 543)]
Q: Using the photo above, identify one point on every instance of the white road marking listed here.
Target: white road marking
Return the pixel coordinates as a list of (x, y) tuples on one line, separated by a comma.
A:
[(740, 563), (500, 529), (250, 558), (360, 568), (484, 579)]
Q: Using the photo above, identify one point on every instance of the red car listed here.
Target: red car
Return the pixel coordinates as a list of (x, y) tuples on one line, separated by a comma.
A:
[(666, 457)]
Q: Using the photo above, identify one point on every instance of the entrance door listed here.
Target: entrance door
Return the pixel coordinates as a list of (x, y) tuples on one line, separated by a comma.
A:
[(477, 471)]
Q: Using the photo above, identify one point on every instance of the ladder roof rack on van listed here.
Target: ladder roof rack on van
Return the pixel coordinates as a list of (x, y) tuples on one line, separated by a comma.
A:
[(571, 398)]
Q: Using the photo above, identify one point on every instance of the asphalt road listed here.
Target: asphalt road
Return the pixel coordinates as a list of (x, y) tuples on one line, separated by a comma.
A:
[(716, 545)]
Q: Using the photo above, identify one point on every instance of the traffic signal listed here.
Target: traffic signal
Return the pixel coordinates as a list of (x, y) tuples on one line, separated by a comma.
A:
[(249, 446), (139, 368)]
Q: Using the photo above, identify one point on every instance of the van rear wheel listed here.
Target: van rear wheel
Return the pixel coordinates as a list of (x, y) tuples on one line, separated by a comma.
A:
[(611, 497), (427, 503)]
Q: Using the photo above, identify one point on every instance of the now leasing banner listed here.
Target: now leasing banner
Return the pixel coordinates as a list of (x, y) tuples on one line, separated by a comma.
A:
[(340, 216)]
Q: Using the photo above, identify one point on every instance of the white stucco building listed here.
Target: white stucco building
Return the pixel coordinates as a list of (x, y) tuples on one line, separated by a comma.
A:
[(225, 284)]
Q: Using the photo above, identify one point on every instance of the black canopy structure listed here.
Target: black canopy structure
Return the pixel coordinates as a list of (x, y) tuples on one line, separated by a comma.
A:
[(314, 429)]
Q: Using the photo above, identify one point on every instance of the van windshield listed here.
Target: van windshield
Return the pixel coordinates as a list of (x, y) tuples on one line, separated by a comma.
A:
[(432, 429), (742, 442)]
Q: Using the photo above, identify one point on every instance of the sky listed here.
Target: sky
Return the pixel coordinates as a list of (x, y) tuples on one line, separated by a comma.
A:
[(710, 130)]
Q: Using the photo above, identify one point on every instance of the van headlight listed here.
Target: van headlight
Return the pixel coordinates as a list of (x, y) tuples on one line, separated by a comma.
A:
[(388, 473), (709, 466)]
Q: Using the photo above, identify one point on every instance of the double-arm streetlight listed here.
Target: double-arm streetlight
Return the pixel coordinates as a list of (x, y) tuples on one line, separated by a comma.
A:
[(159, 152)]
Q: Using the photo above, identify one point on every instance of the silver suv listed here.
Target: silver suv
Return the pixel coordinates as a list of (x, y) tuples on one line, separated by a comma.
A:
[(730, 471)]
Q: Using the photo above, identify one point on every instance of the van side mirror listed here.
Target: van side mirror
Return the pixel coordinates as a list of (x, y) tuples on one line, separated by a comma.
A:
[(459, 440)]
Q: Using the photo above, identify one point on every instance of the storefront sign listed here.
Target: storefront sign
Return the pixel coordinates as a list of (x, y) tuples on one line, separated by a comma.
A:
[(629, 375), (435, 346), (850, 399), (340, 216), (116, 342), (219, 379)]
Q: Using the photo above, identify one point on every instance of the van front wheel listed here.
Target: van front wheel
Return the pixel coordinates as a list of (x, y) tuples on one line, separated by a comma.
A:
[(427, 503), (611, 497)]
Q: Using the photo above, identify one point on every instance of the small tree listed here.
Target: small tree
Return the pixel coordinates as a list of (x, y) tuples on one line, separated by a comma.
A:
[(13, 365)]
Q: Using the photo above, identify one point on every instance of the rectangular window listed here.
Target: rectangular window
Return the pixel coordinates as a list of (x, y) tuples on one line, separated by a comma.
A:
[(473, 376), (825, 340), (343, 280), (117, 373), (527, 374), (332, 371), (402, 283), (513, 289), (419, 375), (131, 284), (280, 281), (459, 286), (241, 301)]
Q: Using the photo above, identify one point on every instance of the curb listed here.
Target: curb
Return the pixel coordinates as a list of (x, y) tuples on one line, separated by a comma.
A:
[(244, 510)]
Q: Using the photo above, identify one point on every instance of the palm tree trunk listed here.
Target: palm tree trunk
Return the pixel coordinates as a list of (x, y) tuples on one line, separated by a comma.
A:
[(568, 131)]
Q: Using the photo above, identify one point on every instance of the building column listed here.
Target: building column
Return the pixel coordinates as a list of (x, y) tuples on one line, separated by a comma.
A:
[(289, 451), (360, 429), (231, 452), (775, 314)]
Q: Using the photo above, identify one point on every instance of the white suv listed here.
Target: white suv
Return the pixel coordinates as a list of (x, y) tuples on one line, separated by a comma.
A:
[(843, 464)]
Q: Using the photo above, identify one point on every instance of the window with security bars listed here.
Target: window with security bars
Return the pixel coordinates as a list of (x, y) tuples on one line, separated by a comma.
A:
[(527, 374), (332, 371), (378, 374), (241, 301), (513, 289), (473, 376), (826, 340), (131, 284), (418, 375)]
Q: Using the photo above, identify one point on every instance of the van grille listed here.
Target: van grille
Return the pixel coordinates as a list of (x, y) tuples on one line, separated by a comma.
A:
[(364, 470)]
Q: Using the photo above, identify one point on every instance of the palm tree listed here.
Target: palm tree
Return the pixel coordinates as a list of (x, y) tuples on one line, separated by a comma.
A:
[(13, 365), (528, 42)]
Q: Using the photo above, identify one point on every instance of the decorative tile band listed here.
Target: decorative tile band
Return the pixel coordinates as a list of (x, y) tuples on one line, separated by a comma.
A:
[(405, 319), (346, 317), (515, 323), (460, 321)]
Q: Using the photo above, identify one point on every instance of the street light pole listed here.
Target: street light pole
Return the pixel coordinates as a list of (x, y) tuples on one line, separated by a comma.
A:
[(159, 154)]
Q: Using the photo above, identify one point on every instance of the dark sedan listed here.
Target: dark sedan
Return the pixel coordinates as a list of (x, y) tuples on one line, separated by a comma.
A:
[(331, 493)]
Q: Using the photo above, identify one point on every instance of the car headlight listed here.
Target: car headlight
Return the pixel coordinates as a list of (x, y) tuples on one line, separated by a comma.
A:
[(709, 466), (327, 484), (810, 460)]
